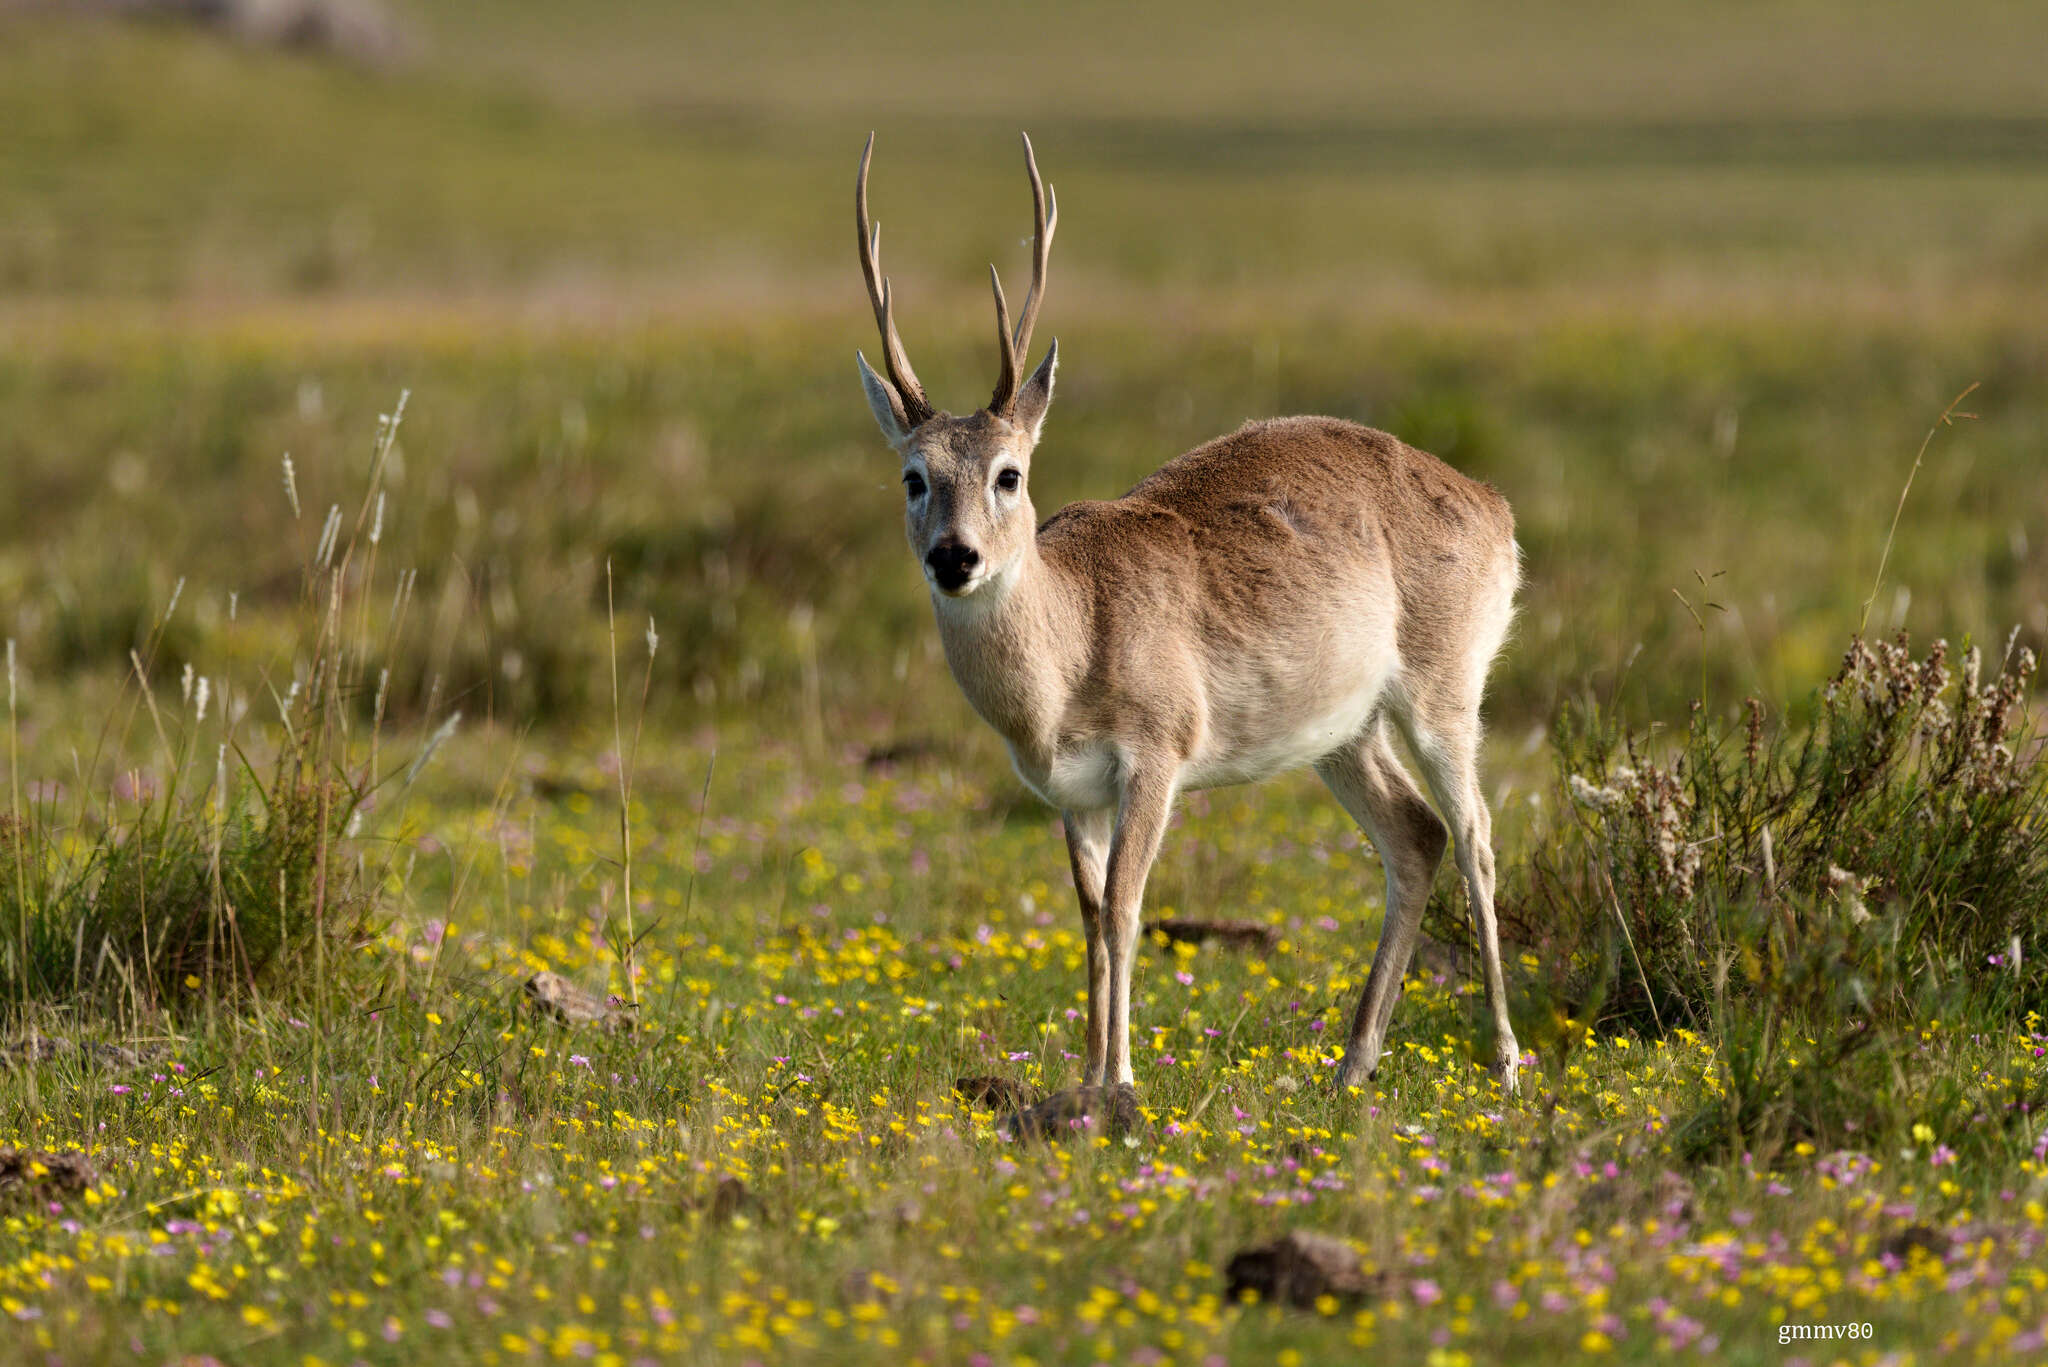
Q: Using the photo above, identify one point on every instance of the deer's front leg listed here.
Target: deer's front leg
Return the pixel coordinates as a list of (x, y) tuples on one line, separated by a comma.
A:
[(1088, 837), (1140, 824)]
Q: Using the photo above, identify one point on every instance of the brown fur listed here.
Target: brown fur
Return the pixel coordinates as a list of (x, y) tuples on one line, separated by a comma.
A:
[(1264, 530)]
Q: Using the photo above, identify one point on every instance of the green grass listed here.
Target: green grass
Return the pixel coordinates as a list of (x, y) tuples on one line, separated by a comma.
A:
[(1688, 289), (729, 478), (829, 947)]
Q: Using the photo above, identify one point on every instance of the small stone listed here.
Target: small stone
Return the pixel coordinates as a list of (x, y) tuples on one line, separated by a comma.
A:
[(1300, 1268), (863, 1286), (42, 1174), (996, 1093), (1093, 1110), (1666, 1196), (893, 754), (558, 998), (40, 1048), (1247, 935), (1440, 959), (1901, 1243), (732, 1198), (728, 1200)]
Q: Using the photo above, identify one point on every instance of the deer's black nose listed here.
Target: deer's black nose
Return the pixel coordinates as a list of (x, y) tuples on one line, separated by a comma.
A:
[(952, 563)]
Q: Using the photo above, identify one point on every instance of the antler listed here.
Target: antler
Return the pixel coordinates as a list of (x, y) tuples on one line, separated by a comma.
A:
[(1013, 347), (915, 406)]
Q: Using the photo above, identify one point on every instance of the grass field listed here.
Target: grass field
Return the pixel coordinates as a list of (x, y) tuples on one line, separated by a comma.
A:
[(1689, 285)]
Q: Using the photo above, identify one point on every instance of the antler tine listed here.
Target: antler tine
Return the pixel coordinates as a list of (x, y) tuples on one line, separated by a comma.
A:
[(1045, 206), (915, 406), (1006, 350), (1011, 347)]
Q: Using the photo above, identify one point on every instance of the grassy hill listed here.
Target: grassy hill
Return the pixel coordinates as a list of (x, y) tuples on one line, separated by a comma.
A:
[(1208, 62)]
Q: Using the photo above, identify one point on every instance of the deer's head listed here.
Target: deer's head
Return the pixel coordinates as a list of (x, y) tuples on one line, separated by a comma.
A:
[(966, 506)]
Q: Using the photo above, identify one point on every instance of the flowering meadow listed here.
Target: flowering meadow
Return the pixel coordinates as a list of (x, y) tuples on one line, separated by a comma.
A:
[(771, 1164), (336, 718)]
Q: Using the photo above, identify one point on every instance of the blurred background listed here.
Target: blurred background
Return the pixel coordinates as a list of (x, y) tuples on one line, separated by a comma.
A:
[(1690, 283)]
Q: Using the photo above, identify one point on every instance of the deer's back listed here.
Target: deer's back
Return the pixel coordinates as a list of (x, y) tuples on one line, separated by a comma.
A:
[(1265, 515), (1288, 569)]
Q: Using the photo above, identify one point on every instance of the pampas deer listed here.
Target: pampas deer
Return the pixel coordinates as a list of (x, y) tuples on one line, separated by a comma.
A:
[(1288, 595)]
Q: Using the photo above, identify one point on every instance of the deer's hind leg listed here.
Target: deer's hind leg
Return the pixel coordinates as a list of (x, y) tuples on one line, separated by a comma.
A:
[(1445, 743), (1374, 787), (1088, 837)]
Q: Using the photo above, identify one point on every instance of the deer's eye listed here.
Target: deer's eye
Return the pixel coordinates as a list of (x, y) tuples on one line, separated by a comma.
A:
[(913, 484), (1008, 481)]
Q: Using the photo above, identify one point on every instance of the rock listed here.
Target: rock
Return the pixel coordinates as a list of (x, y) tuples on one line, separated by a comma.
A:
[(1297, 1151), (1440, 959), (1902, 1242), (1247, 935), (40, 1174), (554, 787), (731, 1198), (898, 752), (556, 997), (864, 1286), (728, 1199), (1666, 1196), (1300, 1268), (1092, 1110), (41, 1048), (996, 1093), (362, 31)]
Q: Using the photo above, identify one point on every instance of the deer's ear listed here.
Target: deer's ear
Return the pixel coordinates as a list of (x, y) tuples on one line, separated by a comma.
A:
[(1036, 395), (886, 404)]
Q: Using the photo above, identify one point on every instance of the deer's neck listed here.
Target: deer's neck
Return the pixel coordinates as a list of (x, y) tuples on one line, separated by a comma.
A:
[(1009, 655)]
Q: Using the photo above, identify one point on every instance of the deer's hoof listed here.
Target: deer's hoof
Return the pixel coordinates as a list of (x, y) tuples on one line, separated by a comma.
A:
[(1354, 1071)]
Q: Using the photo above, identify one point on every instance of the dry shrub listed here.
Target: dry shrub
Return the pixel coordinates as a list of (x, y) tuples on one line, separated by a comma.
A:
[(1906, 817), (1804, 899)]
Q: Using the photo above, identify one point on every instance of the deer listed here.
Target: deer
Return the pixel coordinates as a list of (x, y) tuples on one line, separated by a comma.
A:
[(1289, 595)]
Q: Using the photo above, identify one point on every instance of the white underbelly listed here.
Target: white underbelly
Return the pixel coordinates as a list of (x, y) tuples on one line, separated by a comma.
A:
[(1255, 746), (1243, 744)]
